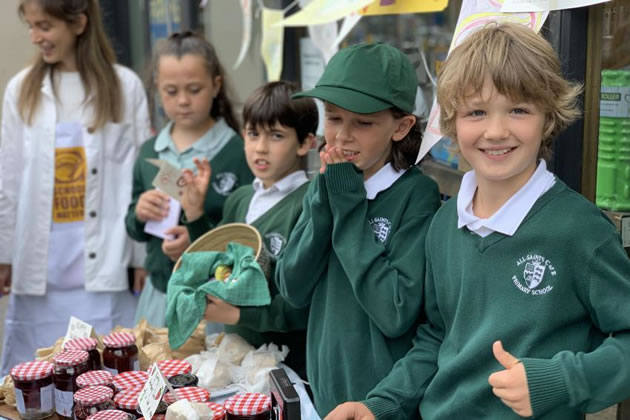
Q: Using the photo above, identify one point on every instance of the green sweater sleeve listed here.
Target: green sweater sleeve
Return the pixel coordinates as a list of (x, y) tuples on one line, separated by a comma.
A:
[(135, 228), (304, 260), (397, 396), (595, 380), (387, 281)]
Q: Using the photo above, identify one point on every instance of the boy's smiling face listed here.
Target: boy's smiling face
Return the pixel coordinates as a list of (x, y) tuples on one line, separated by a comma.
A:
[(273, 152), (499, 138)]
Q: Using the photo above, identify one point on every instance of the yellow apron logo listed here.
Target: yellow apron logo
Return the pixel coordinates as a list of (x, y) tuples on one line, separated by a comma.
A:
[(69, 199)]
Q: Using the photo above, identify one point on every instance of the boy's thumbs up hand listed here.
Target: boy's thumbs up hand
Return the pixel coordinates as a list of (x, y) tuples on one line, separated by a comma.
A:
[(510, 385)]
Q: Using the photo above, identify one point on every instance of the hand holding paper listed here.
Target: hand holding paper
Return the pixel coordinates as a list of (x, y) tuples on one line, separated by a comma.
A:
[(175, 242), (194, 189), (152, 205)]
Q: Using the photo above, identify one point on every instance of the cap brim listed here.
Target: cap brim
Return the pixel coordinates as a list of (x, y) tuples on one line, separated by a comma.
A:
[(347, 99)]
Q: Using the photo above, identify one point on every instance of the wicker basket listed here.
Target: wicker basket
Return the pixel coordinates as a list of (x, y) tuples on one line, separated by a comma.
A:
[(218, 238)]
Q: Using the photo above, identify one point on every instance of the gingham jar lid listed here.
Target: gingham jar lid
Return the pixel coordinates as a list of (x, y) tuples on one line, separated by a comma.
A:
[(249, 404), (94, 378), (218, 411), (32, 371), (130, 379), (174, 367), (119, 339), (128, 398), (93, 395), (81, 344), (190, 393), (70, 358), (109, 415)]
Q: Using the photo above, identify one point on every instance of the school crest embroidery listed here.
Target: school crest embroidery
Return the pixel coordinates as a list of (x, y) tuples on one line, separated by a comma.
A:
[(225, 183), (537, 272), (381, 227), (275, 243)]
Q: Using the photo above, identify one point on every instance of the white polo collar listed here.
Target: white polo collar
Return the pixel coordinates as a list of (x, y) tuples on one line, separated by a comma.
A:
[(510, 216), (382, 180)]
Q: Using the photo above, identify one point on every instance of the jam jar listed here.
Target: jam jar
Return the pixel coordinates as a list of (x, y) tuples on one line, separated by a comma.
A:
[(68, 366), (182, 380), (130, 379), (250, 406), (34, 389), (174, 367), (121, 353), (218, 411), (190, 393), (112, 415), (127, 400), (159, 411), (89, 345), (95, 378), (91, 400)]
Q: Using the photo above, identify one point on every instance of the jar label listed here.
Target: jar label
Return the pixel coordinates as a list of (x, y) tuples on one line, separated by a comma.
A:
[(46, 395), (19, 401), (63, 403), (113, 371)]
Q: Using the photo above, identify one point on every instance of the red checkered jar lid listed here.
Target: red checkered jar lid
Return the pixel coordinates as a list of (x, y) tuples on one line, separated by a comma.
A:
[(249, 404), (81, 344), (93, 395), (119, 339), (174, 367), (218, 411), (70, 358), (94, 378), (32, 371), (130, 379), (128, 398), (109, 415), (190, 393)]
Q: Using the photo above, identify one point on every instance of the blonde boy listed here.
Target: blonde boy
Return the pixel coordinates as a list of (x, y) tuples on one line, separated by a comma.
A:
[(516, 260)]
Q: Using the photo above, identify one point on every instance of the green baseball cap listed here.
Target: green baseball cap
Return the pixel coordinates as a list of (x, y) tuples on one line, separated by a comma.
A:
[(367, 78)]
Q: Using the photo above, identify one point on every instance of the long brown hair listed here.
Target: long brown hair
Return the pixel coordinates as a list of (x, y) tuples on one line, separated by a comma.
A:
[(184, 43), (95, 63)]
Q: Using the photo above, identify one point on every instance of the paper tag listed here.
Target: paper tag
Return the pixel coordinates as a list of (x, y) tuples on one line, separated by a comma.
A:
[(78, 329), (156, 228), (625, 231), (152, 392), (168, 179)]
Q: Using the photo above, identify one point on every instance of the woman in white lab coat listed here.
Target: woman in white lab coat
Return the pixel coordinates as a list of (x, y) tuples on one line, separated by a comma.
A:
[(71, 126)]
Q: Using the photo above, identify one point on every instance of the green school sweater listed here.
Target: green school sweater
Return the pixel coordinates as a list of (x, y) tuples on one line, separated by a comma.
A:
[(229, 171), (278, 322), (557, 295), (359, 264)]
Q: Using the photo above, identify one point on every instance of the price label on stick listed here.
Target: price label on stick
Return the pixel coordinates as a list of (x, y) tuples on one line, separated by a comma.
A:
[(78, 329), (152, 392)]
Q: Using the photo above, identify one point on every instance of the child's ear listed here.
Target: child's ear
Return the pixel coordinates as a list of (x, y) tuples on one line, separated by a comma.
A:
[(217, 82), (306, 145), (404, 126)]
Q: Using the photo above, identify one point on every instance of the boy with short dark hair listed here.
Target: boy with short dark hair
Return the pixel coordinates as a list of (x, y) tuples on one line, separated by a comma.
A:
[(517, 259), (278, 133)]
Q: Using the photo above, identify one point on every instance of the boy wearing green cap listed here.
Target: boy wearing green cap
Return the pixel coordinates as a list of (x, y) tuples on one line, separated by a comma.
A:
[(526, 293), (356, 255)]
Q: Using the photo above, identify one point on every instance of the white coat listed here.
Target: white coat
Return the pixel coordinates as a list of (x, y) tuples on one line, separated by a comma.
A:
[(27, 159)]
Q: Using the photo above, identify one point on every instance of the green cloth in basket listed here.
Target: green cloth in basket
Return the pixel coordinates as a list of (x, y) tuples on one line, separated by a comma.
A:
[(188, 286)]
